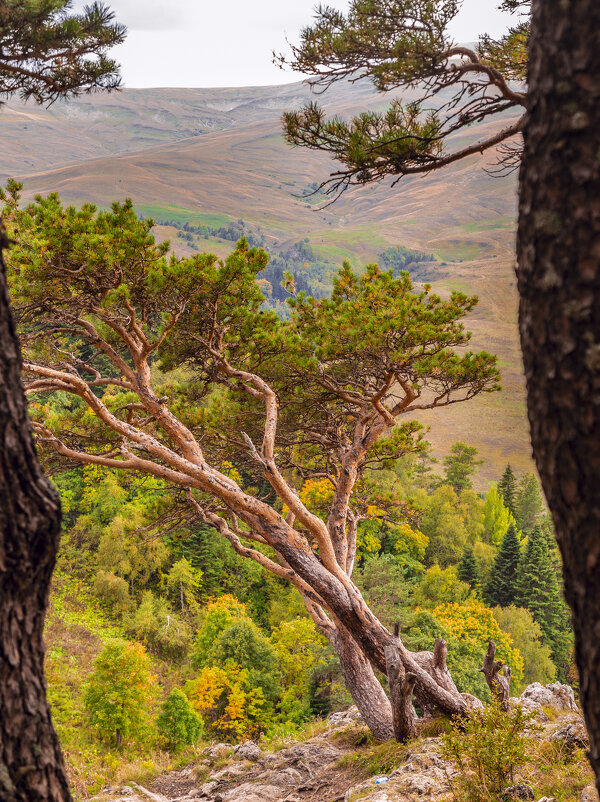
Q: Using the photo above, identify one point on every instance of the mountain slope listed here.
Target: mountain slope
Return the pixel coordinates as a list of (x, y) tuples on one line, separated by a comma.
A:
[(240, 167)]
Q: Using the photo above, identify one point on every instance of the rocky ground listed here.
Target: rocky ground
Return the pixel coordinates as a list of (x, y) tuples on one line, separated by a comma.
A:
[(318, 769)]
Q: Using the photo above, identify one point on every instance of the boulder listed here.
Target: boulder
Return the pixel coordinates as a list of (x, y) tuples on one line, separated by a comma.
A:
[(249, 750), (344, 719), (517, 792), (556, 695), (250, 792), (572, 734), (218, 751), (420, 784)]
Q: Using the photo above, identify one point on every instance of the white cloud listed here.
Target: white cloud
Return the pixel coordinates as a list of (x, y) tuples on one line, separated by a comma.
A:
[(203, 43)]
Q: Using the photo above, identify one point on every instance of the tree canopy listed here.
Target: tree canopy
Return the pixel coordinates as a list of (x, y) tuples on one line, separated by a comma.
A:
[(405, 44), (48, 52)]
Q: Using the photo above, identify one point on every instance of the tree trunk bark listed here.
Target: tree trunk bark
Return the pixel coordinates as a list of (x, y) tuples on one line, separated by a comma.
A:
[(31, 764), (401, 690), (363, 685), (559, 287), (499, 684)]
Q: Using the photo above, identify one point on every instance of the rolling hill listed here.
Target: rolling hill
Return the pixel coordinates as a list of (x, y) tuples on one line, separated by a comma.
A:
[(210, 157)]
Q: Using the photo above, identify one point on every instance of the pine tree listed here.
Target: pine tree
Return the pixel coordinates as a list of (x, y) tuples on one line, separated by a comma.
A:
[(48, 52), (468, 570), (539, 592), (461, 463), (528, 503), (501, 589), (507, 487)]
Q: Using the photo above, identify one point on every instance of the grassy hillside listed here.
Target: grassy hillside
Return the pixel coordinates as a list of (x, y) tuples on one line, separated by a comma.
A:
[(211, 157)]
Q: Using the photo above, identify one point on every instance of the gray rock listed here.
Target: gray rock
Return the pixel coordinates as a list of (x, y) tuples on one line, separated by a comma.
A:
[(573, 734), (249, 750), (519, 791), (344, 719), (218, 751), (207, 788), (420, 784), (589, 794), (250, 792), (230, 772), (556, 695)]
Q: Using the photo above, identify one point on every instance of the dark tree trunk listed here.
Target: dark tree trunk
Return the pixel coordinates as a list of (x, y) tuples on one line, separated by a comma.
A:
[(559, 286), (31, 764)]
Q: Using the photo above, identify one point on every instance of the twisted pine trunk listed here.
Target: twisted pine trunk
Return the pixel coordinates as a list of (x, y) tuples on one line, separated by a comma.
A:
[(31, 764), (559, 286), (363, 686)]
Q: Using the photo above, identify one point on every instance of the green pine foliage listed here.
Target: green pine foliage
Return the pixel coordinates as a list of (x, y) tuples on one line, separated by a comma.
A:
[(195, 615), (48, 52), (539, 592), (468, 570), (529, 503), (461, 463), (502, 586), (178, 723), (507, 487)]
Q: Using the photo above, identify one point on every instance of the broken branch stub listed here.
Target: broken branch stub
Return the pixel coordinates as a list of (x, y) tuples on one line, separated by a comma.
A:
[(401, 686)]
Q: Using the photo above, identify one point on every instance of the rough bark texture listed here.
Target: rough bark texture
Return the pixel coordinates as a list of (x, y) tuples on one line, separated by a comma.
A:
[(31, 764), (363, 686), (559, 286), (434, 664), (498, 683), (401, 690)]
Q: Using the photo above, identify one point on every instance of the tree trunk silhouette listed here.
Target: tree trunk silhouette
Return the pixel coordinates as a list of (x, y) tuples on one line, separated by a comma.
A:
[(31, 764), (559, 286)]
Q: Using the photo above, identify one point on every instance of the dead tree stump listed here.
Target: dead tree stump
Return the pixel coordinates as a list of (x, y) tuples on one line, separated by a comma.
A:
[(499, 683), (401, 686)]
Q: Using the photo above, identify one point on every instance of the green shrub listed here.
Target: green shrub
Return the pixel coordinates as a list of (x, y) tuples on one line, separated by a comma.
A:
[(489, 752), (178, 724)]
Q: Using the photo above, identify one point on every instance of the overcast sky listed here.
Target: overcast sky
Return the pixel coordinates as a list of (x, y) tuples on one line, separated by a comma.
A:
[(204, 43)]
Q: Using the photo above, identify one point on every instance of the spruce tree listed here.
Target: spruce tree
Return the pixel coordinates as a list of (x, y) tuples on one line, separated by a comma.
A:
[(501, 589), (528, 503), (468, 570), (539, 592), (507, 487)]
